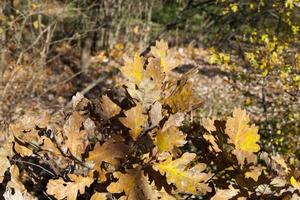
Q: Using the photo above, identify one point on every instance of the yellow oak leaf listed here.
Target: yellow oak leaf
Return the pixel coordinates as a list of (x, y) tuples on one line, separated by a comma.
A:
[(69, 190), (111, 151), (76, 139), (133, 69), (187, 180), (169, 139), (154, 72), (295, 183), (135, 120), (168, 59), (243, 136), (137, 187), (108, 107), (182, 99)]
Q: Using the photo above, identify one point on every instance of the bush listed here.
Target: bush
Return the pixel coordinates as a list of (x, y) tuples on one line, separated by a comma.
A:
[(142, 144)]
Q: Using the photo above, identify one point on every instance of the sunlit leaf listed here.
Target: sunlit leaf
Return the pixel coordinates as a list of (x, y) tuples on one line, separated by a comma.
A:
[(135, 120), (243, 136), (187, 180)]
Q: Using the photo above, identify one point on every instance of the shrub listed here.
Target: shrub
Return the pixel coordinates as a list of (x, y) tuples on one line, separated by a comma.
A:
[(142, 145)]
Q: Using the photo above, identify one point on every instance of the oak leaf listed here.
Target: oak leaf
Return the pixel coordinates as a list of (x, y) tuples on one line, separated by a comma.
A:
[(187, 180), (168, 59), (69, 190), (243, 136), (225, 194), (111, 151), (133, 69), (295, 183), (108, 107), (155, 113), (99, 196), (135, 120), (22, 150), (182, 99), (137, 187), (169, 139), (5, 152), (76, 140)]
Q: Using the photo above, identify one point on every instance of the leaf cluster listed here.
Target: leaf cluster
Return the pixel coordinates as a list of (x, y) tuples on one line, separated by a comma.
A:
[(142, 146)]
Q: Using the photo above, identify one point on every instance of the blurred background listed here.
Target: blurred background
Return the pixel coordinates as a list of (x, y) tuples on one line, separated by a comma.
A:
[(247, 53)]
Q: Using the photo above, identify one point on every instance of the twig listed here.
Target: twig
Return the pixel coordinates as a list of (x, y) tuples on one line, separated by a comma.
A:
[(33, 164)]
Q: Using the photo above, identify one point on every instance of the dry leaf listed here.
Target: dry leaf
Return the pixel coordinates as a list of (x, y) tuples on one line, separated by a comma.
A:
[(61, 189), (168, 58), (210, 138), (111, 151), (135, 120), (108, 107), (5, 152), (183, 99), (133, 69), (22, 150), (137, 187), (243, 136), (99, 196), (169, 139), (76, 139), (187, 180), (155, 113), (255, 172), (225, 194), (208, 124)]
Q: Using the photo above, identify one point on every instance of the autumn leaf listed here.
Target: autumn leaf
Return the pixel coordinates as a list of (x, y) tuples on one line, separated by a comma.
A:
[(146, 93), (108, 107), (22, 150), (295, 183), (5, 152), (187, 180), (154, 72), (168, 59), (111, 151), (76, 140), (225, 194), (182, 99), (69, 190), (243, 136), (155, 113), (208, 124), (255, 172), (136, 186), (99, 196), (169, 139), (135, 120), (133, 69), (211, 139)]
